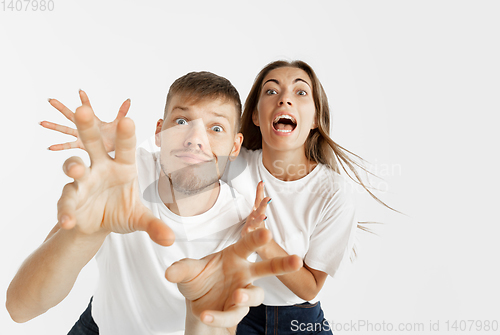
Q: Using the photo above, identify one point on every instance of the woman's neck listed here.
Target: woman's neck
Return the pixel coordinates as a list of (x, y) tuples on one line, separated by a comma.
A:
[(287, 165)]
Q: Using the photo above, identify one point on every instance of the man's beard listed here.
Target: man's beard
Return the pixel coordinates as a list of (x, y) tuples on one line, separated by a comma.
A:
[(194, 179)]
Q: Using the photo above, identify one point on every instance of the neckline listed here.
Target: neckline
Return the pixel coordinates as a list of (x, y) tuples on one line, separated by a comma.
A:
[(265, 172)]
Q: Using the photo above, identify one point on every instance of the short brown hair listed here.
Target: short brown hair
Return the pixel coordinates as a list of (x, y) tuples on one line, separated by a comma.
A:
[(196, 86)]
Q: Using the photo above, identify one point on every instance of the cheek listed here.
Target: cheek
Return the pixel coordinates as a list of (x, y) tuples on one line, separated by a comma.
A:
[(219, 145), (310, 114)]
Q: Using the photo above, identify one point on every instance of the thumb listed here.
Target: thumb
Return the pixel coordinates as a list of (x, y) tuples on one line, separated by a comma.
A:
[(157, 230), (184, 270)]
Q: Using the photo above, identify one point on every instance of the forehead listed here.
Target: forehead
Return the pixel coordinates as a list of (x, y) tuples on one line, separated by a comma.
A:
[(287, 75), (206, 107)]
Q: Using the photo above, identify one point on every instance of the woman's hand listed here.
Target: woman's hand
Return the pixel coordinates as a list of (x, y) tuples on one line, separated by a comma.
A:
[(256, 219), (107, 129), (219, 286)]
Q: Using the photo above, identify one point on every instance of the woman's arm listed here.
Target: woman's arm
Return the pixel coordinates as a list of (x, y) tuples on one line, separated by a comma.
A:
[(305, 283)]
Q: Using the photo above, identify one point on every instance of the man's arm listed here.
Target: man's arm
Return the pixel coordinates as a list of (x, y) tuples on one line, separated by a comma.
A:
[(194, 326), (49, 273), (103, 198)]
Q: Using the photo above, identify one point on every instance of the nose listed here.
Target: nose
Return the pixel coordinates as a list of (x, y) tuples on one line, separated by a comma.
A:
[(196, 137), (285, 99)]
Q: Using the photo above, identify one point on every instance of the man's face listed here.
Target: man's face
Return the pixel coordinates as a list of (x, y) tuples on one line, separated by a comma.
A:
[(196, 140)]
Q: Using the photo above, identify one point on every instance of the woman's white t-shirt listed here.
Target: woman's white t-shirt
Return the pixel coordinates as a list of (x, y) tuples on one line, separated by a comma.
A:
[(312, 217)]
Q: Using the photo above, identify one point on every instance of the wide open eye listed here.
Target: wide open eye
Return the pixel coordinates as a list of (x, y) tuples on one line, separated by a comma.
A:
[(270, 92), (301, 92), (181, 122), (218, 129)]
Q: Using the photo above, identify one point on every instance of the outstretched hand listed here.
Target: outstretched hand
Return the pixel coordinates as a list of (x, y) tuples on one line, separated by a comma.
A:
[(104, 197), (256, 219), (107, 129), (219, 286)]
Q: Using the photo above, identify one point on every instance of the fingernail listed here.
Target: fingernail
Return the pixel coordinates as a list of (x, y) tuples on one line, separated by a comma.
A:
[(40, 123), (79, 90), (244, 297), (270, 200), (48, 148), (208, 318), (265, 219), (129, 100), (49, 99)]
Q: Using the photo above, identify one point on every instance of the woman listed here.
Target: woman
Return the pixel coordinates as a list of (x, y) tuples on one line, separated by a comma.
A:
[(285, 125)]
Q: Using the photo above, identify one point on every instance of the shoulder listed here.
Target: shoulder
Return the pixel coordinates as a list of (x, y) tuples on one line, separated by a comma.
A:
[(249, 155), (332, 186), (245, 160)]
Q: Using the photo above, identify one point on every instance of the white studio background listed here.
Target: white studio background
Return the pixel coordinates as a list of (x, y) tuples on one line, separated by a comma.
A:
[(413, 86)]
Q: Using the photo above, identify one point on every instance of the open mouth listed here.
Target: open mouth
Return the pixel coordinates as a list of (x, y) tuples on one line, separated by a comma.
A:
[(284, 123)]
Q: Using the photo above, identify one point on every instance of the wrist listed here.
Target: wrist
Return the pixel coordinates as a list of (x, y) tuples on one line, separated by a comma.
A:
[(78, 236)]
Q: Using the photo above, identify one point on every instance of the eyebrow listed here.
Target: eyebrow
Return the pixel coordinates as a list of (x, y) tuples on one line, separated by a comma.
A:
[(295, 81), (185, 109)]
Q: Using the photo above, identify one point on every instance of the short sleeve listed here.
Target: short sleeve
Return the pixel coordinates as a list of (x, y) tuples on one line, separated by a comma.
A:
[(332, 239)]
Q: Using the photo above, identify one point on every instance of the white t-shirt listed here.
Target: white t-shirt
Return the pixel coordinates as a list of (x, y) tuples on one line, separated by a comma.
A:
[(312, 217), (133, 297)]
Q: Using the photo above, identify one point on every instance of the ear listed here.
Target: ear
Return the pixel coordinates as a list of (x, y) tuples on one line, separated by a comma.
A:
[(238, 140), (159, 126), (255, 118), (315, 123)]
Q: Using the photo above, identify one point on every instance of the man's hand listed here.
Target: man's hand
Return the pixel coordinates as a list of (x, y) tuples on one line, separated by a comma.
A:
[(104, 197), (107, 129), (219, 286)]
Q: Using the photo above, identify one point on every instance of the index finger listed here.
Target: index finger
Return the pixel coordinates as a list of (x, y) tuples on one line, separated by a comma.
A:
[(122, 112), (259, 194), (63, 109), (125, 141), (84, 98), (276, 266), (251, 242)]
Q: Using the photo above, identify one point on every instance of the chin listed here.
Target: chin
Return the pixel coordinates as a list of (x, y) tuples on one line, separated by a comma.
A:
[(194, 179)]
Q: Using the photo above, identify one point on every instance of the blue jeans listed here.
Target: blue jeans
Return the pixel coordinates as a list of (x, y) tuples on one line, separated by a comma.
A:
[(85, 325), (284, 320)]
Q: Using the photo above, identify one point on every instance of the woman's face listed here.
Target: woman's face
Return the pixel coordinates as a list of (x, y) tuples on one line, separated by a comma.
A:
[(285, 111)]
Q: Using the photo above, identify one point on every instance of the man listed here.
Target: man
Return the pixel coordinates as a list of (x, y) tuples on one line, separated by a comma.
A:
[(180, 187)]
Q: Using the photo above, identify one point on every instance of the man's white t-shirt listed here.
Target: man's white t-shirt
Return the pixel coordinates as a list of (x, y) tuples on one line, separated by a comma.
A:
[(133, 297), (312, 217)]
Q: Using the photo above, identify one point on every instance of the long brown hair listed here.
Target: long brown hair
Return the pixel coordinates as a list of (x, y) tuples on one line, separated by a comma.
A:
[(319, 147)]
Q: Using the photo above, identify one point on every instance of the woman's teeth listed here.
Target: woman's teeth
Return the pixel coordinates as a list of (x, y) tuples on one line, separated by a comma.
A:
[(284, 116), (284, 123)]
